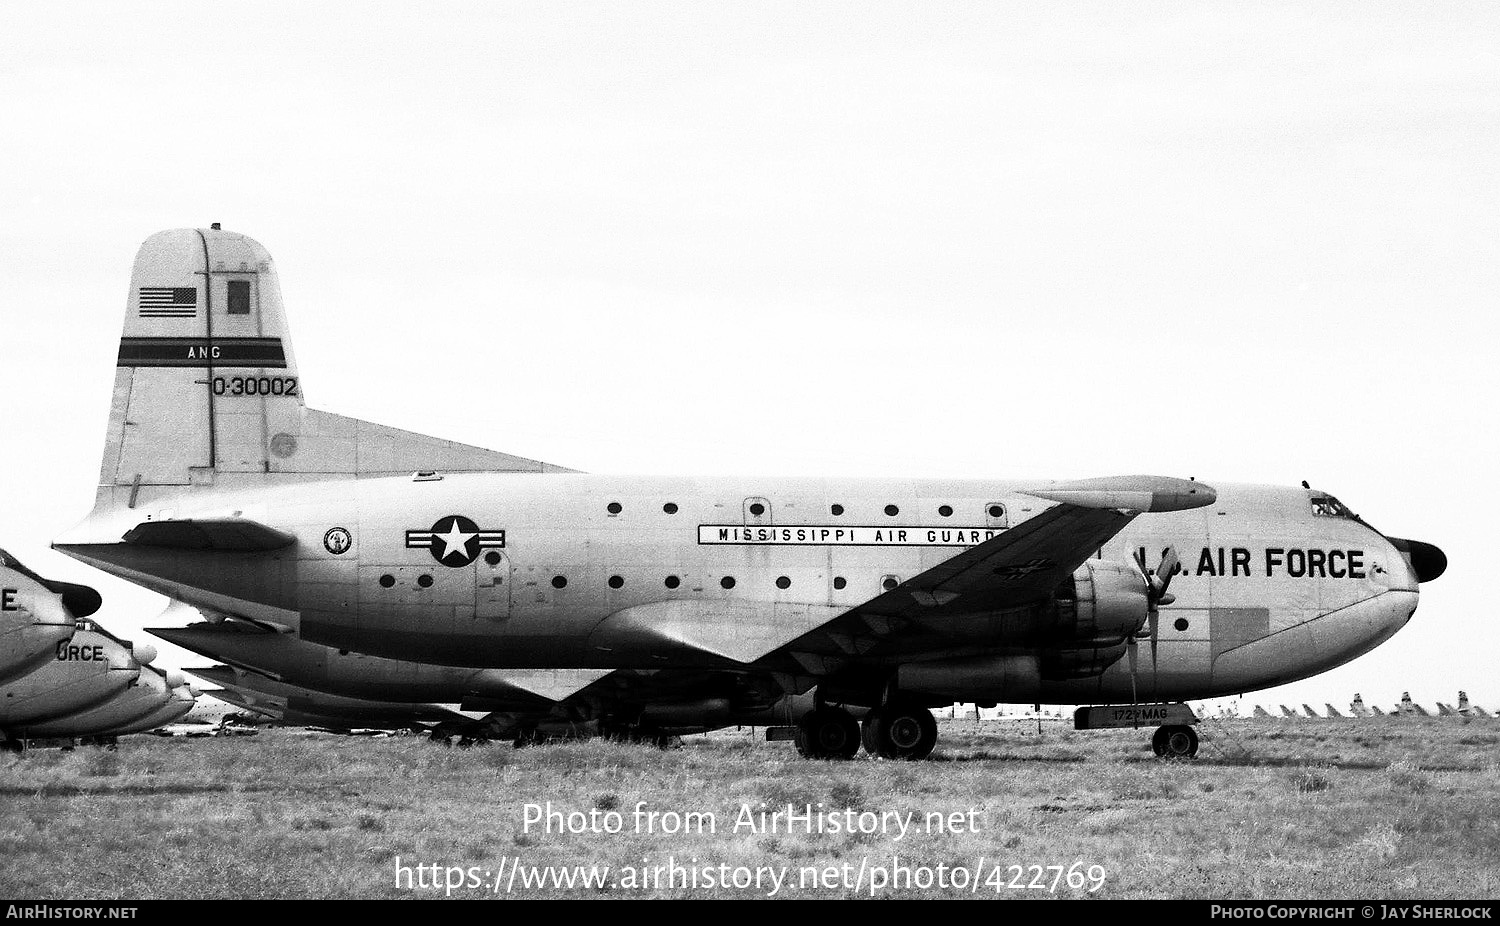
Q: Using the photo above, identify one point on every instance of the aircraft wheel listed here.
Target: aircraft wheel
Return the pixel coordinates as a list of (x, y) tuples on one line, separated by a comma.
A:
[(900, 731), (1175, 741), (828, 733)]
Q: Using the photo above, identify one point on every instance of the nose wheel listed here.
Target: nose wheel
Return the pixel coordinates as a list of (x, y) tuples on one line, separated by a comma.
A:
[(1175, 741)]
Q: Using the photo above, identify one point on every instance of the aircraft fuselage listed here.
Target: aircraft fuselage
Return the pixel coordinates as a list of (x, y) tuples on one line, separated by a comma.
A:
[(560, 571)]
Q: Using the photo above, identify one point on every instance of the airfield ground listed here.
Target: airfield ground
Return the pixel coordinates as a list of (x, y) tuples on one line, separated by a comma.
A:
[(1396, 808)]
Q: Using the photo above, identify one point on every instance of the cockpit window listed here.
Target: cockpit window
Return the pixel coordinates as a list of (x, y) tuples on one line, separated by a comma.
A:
[(1326, 506)]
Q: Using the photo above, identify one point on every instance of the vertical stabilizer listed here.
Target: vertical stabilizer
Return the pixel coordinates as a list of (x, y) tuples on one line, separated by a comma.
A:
[(207, 390), (1467, 709), (205, 380)]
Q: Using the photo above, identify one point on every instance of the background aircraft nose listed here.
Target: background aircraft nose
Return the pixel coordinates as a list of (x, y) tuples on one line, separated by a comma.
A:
[(80, 600), (1427, 561)]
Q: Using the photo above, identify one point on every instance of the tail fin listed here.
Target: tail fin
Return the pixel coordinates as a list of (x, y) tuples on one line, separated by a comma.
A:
[(207, 388)]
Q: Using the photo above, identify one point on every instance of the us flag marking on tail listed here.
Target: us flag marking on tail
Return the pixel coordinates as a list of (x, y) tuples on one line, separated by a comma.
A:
[(168, 302)]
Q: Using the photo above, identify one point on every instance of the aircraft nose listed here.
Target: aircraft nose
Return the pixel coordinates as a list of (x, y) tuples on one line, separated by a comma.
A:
[(1427, 561)]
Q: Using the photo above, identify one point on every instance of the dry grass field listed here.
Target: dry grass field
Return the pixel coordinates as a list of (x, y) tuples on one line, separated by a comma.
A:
[(1297, 809)]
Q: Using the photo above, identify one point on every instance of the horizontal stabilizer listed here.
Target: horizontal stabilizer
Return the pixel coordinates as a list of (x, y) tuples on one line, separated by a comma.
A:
[(234, 535)]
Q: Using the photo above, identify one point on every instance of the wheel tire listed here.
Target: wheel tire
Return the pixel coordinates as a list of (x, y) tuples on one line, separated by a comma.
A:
[(901, 731), (828, 733), (1181, 742), (1175, 741)]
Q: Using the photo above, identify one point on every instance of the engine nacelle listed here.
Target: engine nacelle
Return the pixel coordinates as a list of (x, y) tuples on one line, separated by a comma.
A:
[(1095, 612), (1068, 664), (1102, 605)]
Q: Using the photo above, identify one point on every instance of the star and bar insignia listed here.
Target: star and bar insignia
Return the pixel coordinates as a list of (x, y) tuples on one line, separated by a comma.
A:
[(455, 540), (1021, 570)]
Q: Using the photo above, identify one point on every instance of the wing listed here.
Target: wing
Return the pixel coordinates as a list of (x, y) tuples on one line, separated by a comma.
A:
[(940, 609)]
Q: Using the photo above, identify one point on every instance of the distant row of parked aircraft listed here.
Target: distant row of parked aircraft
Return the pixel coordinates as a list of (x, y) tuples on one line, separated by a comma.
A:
[(1406, 707)]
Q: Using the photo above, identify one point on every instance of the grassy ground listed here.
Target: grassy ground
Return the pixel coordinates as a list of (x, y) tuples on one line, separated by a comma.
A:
[(1379, 808)]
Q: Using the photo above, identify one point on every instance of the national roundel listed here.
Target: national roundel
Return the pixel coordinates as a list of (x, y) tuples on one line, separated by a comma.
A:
[(455, 540)]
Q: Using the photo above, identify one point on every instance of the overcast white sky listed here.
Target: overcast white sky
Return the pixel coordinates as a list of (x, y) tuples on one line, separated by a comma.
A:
[(1243, 242)]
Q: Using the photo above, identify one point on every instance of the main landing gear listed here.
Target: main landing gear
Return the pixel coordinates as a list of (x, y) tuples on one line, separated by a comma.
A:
[(900, 731), (895, 731), (828, 733)]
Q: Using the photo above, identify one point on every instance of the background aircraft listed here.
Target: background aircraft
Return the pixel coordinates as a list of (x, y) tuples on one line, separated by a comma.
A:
[(516, 704), (35, 616), (63, 677), (302, 707), (153, 699), (1408, 707), (212, 716)]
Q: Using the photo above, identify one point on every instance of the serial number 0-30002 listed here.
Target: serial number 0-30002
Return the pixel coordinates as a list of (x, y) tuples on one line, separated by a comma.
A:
[(255, 385)]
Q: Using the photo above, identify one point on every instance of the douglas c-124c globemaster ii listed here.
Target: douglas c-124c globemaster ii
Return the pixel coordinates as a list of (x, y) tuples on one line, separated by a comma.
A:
[(876, 598)]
